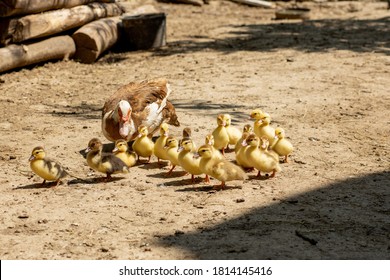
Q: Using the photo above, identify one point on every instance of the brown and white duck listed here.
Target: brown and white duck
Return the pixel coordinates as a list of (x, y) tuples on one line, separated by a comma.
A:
[(138, 103)]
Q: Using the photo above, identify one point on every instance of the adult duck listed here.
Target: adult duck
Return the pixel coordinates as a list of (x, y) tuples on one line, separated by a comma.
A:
[(138, 103)]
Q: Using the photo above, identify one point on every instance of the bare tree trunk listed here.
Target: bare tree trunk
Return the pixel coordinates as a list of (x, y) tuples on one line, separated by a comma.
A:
[(94, 38), (25, 7), (15, 56), (40, 25)]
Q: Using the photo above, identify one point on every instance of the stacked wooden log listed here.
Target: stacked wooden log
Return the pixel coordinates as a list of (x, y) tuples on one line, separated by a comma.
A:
[(33, 31)]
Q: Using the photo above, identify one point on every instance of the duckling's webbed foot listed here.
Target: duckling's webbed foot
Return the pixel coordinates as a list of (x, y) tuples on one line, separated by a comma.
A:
[(170, 171)]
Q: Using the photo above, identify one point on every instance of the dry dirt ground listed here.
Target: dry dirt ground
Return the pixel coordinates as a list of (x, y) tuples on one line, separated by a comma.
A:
[(325, 80)]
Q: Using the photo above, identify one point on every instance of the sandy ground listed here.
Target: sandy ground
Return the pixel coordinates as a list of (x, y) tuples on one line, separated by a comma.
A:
[(326, 81)]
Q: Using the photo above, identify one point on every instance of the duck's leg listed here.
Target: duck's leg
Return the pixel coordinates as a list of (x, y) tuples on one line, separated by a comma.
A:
[(285, 159), (192, 178), (273, 173), (258, 174), (221, 186), (148, 159), (57, 183), (170, 171), (207, 179), (43, 183), (108, 178)]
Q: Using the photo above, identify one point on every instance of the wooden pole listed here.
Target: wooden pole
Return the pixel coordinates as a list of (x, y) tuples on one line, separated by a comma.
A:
[(15, 56), (17, 30), (94, 38)]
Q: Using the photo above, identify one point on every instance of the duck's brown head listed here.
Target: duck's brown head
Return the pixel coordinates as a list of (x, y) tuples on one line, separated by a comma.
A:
[(94, 145)]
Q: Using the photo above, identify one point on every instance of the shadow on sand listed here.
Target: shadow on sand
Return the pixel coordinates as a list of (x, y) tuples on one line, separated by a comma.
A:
[(345, 220)]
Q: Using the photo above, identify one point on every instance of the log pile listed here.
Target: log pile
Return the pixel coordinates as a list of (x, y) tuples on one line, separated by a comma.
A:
[(33, 31)]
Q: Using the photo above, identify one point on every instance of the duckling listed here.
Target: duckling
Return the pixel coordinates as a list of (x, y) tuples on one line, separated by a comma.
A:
[(106, 163), (187, 135), (220, 134), (246, 129), (171, 147), (241, 158), (220, 169), (138, 103), (45, 168), (262, 127), (256, 113), (158, 149), (143, 146), (187, 160), (121, 151), (209, 140), (233, 132), (282, 146), (257, 154)]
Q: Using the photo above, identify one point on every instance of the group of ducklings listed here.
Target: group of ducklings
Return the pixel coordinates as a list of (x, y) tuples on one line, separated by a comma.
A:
[(256, 147)]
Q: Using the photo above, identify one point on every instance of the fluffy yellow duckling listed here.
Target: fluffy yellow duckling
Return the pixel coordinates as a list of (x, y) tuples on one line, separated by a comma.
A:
[(45, 168), (282, 146), (106, 163), (121, 151), (187, 160), (158, 148), (209, 140), (220, 169), (241, 158), (220, 134), (246, 129), (187, 133), (171, 147), (233, 132), (143, 146), (261, 159), (262, 127), (256, 113)]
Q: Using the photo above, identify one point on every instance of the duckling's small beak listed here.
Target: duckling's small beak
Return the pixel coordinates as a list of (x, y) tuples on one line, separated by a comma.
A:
[(244, 143), (115, 150), (166, 134), (180, 149), (87, 150), (210, 143), (196, 155), (276, 137), (31, 158)]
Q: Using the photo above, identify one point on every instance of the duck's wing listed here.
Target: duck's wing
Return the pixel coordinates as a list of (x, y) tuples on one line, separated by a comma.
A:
[(226, 171), (139, 95), (55, 168), (113, 164)]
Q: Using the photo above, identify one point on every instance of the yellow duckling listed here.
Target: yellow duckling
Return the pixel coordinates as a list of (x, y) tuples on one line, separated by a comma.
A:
[(261, 159), (121, 151), (187, 160), (241, 158), (262, 127), (247, 129), (220, 134), (282, 146), (187, 135), (143, 146), (220, 169), (209, 140), (158, 148), (233, 132), (45, 168), (106, 163), (171, 147)]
